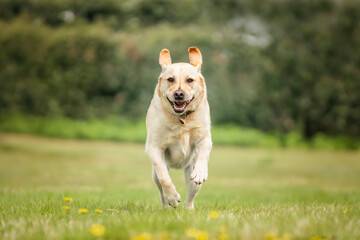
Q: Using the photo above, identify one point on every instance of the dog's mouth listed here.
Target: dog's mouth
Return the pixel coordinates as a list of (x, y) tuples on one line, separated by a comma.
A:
[(179, 106)]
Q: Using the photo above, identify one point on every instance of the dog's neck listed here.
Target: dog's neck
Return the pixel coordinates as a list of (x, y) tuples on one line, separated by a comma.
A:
[(182, 118)]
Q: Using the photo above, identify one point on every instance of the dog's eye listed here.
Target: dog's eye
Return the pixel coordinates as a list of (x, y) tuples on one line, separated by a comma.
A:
[(170, 79), (189, 80)]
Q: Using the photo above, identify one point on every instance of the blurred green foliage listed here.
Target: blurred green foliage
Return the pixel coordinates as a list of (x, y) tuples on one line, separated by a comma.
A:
[(115, 128), (280, 66)]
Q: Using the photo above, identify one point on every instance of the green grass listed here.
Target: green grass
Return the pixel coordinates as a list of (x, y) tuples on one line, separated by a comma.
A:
[(257, 191), (117, 128)]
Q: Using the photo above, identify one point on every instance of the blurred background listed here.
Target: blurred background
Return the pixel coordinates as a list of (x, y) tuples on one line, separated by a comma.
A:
[(279, 73), (283, 82)]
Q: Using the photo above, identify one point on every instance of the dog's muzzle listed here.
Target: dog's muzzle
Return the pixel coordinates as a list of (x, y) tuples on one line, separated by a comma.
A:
[(179, 106)]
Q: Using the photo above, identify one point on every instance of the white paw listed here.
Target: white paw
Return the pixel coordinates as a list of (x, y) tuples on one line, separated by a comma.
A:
[(171, 197), (199, 174), (189, 206)]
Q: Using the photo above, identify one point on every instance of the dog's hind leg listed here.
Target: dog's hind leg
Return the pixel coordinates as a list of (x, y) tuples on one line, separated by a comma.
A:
[(158, 184), (192, 188)]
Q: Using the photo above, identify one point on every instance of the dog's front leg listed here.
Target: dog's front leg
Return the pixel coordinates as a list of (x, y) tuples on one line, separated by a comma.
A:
[(197, 172), (169, 193), (158, 184), (192, 188)]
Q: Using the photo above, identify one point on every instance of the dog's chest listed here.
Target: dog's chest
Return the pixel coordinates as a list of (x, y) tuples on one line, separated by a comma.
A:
[(178, 149)]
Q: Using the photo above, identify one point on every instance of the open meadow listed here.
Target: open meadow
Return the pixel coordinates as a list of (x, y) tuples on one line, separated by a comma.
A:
[(251, 193)]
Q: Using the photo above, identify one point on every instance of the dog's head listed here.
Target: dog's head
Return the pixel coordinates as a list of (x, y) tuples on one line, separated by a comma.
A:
[(181, 86)]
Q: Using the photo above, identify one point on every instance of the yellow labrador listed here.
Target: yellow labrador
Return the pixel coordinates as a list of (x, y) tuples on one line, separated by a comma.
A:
[(178, 127)]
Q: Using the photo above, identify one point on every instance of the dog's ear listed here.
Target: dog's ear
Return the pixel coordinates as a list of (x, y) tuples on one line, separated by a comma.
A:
[(195, 57), (164, 58)]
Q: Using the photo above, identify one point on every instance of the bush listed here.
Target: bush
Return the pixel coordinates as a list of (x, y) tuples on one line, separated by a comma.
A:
[(282, 66), (56, 72)]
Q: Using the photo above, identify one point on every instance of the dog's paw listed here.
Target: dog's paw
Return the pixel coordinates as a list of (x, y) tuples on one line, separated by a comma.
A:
[(199, 174), (188, 206), (171, 197)]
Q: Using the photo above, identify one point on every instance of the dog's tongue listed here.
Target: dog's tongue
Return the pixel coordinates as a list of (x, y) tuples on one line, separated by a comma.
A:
[(179, 103)]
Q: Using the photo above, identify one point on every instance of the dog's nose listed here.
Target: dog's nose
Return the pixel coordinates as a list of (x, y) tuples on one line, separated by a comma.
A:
[(179, 95)]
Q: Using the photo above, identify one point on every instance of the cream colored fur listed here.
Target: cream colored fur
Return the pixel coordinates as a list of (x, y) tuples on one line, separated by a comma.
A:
[(171, 144)]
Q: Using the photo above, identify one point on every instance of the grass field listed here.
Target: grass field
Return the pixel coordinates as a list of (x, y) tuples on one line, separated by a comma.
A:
[(257, 193)]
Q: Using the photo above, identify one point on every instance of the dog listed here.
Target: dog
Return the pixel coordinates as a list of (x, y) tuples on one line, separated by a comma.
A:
[(178, 127)]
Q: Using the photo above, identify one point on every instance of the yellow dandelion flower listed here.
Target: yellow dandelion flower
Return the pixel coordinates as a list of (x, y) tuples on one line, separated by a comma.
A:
[(66, 207), (97, 229), (143, 236), (197, 234), (270, 236), (285, 237), (68, 199), (223, 236), (98, 210), (83, 210), (345, 211), (214, 214), (317, 238), (222, 229), (192, 232), (223, 233), (164, 236), (202, 235)]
